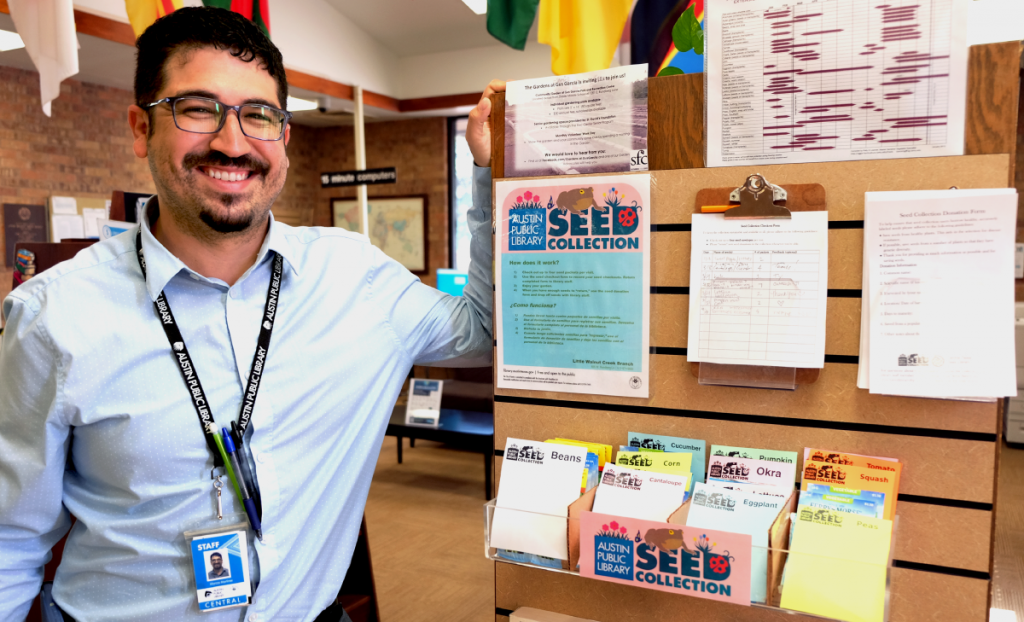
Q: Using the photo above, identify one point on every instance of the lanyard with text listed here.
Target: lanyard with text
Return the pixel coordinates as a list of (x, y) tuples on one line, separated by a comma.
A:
[(188, 370)]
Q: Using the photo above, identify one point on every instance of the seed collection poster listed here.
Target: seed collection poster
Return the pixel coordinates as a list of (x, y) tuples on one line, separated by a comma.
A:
[(572, 284)]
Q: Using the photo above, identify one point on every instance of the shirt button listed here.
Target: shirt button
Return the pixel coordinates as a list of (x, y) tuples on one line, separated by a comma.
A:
[(235, 293), (253, 617), (261, 458), (195, 277)]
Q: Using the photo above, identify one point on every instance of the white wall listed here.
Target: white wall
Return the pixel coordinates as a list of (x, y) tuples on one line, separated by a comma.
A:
[(469, 71)]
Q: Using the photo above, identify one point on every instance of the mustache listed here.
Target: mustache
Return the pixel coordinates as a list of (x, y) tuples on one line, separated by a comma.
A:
[(215, 158)]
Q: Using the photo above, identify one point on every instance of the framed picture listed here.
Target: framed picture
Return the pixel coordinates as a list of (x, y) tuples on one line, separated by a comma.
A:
[(398, 226)]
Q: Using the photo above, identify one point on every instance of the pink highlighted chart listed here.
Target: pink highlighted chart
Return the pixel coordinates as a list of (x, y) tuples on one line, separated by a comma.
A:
[(835, 80)]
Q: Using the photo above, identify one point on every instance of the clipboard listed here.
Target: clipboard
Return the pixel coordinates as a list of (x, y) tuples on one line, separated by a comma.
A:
[(756, 199)]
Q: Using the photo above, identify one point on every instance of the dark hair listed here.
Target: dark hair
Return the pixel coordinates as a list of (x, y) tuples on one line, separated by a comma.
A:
[(217, 555), (193, 28)]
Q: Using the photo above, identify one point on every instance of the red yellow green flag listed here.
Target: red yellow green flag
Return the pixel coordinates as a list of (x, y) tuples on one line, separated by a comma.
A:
[(583, 34), (256, 10), (142, 13)]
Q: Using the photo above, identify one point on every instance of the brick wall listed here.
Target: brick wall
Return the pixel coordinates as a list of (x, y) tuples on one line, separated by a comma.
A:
[(417, 148), (85, 150)]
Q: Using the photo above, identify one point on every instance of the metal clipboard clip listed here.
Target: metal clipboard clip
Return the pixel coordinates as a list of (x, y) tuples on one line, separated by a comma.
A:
[(756, 198)]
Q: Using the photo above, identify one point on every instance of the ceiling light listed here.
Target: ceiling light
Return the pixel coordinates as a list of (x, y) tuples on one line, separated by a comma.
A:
[(295, 104), (10, 41), (478, 6)]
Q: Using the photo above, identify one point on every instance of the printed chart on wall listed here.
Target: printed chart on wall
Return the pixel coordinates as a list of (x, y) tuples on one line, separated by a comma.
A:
[(829, 80), (572, 284)]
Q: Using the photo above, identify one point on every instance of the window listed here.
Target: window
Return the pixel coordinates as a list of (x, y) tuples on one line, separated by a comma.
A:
[(460, 173)]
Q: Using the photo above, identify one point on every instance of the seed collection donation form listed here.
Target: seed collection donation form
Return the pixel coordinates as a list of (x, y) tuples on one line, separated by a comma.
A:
[(758, 290), (572, 284), (937, 315)]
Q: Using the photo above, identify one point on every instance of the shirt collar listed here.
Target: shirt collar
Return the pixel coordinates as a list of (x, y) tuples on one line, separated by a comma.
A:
[(162, 265)]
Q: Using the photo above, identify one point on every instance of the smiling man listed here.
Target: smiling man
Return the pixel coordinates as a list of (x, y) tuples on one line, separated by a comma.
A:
[(118, 368)]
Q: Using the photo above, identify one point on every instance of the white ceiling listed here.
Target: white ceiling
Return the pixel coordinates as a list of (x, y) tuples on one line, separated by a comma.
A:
[(414, 27), (401, 48)]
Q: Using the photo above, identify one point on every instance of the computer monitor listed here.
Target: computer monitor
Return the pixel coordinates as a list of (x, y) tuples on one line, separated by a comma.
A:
[(451, 281)]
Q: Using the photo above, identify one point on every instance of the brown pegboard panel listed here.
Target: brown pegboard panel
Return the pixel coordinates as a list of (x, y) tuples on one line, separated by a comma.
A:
[(833, 398), (674, 193)]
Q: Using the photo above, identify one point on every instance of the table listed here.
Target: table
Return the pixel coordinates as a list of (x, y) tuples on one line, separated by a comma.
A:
[(465, 429)]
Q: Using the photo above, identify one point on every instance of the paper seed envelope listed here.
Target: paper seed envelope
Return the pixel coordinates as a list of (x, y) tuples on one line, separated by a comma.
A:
[(843, 503), (755, 454), (540, 480), (845, 475), (754, 489), (856, 547), (739, 512), (673, 444), (882, 465), (661, 462), (751, 471), (646, 495)]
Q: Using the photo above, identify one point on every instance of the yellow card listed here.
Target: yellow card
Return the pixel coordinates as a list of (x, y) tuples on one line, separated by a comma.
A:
[(855, 548), (659, 462)]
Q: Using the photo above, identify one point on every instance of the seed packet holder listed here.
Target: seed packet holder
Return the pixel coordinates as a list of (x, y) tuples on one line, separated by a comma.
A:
[(708, 546)]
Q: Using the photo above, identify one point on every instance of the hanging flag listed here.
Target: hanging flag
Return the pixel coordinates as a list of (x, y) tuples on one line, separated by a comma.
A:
[(509, 21), (257, 11), (644, 24), (142, 13), (679, 46), (48, 29), (583, 34)]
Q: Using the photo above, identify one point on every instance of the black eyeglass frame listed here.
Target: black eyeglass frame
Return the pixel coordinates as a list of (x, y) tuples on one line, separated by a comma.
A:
[(238, 112)]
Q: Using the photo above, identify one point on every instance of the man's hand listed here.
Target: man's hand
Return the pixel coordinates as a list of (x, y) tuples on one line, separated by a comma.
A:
[(478, 130)]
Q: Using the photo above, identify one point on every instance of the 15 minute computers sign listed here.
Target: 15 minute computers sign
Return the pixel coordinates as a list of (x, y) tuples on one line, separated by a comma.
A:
[(368, 176)]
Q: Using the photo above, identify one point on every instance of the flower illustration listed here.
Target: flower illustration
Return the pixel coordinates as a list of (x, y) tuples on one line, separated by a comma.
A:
[(519, 199), (528, 195)]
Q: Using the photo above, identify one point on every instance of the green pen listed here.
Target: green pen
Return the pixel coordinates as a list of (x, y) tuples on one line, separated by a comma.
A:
[(227, 463)]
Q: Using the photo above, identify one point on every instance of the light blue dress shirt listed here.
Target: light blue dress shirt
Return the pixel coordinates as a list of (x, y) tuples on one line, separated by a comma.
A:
[(95, 418)]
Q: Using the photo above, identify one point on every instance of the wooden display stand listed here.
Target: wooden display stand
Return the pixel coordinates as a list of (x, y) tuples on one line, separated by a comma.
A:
[(943, 559)]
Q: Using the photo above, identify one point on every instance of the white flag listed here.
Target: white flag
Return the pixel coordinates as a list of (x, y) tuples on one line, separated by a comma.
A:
[(48, 29)]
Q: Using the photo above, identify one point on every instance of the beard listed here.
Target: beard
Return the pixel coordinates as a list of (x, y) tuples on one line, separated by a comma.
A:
[(207, 216)]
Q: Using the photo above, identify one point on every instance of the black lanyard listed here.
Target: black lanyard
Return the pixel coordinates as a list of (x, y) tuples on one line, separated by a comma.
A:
[(188, 370)]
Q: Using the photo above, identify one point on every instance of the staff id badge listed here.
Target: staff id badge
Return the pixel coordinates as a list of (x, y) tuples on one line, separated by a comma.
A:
[(220, 562)]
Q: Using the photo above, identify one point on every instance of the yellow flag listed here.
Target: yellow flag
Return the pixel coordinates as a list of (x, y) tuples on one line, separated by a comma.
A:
[(583, 34), (142, 13)]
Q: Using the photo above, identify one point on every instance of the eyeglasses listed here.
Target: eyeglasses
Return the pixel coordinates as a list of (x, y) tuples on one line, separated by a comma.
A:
[(201, 115)]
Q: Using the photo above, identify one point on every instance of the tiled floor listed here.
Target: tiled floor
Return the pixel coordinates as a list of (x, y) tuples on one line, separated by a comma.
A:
[(425, 521)]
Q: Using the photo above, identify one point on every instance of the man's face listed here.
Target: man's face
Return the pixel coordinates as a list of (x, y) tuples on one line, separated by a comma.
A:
[(216, 562), (219, 183)]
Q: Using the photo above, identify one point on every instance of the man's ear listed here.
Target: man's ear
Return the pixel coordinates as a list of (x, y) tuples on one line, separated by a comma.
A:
[(138, 121), (287, 134)]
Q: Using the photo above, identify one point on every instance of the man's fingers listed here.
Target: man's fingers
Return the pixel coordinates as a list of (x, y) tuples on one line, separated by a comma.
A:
[(495, 86)]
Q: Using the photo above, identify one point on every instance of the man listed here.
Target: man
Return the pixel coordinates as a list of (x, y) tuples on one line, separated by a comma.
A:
[(217, 569), (100, 406)]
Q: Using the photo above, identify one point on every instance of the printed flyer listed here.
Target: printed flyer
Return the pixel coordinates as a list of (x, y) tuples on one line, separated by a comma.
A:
[(572, 285), (669, 558), (592, 122)]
